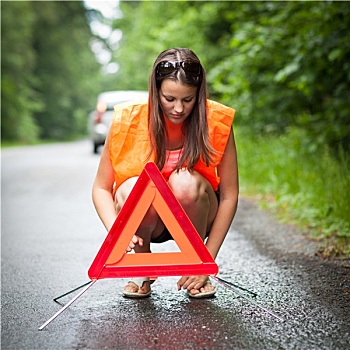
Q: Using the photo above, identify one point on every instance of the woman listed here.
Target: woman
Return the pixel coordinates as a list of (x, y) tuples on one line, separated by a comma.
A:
[(191, 141)]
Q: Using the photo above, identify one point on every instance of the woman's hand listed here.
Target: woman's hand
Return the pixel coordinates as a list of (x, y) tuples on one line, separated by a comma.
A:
[(134, 241), (192, 282)]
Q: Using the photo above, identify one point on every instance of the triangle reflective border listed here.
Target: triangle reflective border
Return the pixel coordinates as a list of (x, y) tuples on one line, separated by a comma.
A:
[(112, 261)]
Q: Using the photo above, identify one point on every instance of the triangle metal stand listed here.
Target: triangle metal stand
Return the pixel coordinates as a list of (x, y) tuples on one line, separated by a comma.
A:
[(86, 287), (89, 284)]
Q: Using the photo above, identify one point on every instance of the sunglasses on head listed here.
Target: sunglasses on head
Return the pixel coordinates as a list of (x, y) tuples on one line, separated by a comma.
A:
[(167, 67)]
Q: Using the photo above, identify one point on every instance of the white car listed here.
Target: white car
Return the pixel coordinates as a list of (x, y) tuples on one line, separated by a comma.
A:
[(100, 119)]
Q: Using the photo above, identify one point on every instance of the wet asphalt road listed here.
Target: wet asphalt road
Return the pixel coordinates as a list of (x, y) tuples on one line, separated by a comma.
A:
[(51, 234)]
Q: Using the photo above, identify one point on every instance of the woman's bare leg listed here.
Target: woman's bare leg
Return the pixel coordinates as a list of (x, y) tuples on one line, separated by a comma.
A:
[(197, 197), (199, 201), (150, 225)]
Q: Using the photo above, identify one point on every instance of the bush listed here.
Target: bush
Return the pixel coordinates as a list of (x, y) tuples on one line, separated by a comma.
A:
[(308, 185)]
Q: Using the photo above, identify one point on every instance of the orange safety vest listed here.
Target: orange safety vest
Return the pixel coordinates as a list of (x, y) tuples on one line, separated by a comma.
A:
[(129, 142)]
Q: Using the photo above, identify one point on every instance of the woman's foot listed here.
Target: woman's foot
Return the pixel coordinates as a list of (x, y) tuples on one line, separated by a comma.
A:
[(207, 291), (137, 288)]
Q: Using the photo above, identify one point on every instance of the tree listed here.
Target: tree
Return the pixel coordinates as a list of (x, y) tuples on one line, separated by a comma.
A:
[(289, 66), (66, 68), (50, 77), (152, 26), (280, 64), (19, 100)]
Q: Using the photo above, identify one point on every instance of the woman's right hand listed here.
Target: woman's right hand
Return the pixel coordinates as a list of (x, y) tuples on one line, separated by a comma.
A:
[(134, 241)]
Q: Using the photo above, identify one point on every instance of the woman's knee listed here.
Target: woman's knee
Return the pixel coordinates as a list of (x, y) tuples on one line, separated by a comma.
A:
[(188, 188), (124, 190), (150, 219)]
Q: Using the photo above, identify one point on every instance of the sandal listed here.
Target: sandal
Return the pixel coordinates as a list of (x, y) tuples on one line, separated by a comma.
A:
[(202, 295), (138, 283)]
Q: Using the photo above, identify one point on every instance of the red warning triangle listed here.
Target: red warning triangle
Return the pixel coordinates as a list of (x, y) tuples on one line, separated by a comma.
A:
[(112, 261)]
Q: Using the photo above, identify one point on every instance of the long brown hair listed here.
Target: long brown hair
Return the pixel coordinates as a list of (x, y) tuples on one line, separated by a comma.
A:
[(195, 128)]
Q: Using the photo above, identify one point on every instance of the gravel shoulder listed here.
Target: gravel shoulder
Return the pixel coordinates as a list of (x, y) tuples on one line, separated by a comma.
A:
[(327, 280)]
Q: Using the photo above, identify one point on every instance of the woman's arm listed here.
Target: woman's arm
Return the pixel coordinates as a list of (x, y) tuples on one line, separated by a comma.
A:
[(228, 172), (103, 188)]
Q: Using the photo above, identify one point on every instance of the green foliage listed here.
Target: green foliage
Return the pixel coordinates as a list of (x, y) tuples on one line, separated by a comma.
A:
[(50, 77), (65, 67), (280, 64), (150, 27), (308, 186), (289, 65), (18, 98)]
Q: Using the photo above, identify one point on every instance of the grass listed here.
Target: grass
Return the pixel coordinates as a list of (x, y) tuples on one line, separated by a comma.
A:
[(305, 184)]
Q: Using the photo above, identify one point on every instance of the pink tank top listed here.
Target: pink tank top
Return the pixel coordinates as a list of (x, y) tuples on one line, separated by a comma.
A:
[(172, 158)]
